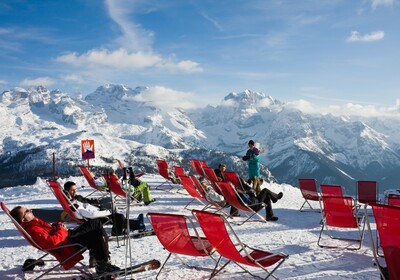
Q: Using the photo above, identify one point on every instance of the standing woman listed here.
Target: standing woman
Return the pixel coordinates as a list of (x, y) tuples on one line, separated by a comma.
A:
[(252, 157)]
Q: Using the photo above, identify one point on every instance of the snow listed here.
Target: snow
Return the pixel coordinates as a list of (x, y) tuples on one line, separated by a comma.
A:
[(295, 234)]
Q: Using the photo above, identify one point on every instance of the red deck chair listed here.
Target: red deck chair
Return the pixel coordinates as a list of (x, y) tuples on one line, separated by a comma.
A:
[(91, 182), (331, 190), (338, 213), (212, 177), (67, 206), (115, 188), (192, 191), (197, 166), (163, 170), (233, 199), (179, 171), (367, 192), (70, 262), (173, 233), (387, 220), (393, 200), (216, 229), (201, 191), (232, 177), (308, 188)]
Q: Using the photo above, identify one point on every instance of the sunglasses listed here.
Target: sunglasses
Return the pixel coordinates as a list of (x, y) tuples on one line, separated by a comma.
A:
[(26, 212)]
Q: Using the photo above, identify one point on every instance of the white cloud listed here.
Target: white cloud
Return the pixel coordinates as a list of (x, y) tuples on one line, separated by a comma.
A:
[(41, 81), (122, 59), (376, 3), (166, 98), (74, 78), (3, 82), (213, 21), (355, 36), (346, 109), (134, 37)]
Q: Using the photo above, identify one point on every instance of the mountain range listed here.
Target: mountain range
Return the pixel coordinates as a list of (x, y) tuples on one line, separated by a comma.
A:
[(40, 126)]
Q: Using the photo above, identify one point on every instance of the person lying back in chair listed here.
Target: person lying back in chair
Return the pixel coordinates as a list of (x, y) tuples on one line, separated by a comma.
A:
[(92, 207), (140, 190), (100, 181), (90, 234)]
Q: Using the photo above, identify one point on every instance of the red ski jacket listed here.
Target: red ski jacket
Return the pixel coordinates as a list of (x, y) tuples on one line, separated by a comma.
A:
[(48, 237)]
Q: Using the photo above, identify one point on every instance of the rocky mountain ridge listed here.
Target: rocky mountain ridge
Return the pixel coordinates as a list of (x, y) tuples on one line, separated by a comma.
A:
[(38, 123)]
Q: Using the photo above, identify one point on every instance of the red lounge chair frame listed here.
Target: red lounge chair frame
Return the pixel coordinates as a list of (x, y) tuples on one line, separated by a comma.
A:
[(173, 233), (91, 182), (192, 191), (115, 188), (387, 220), (163, 170), (309, 191), (219, 232), (67, 206), (233, 177), (179, 171), (197, 166), (212, 177), (341, 212), (201, 191), (331, 190), (68, 263), (367, 192), (233, 199)]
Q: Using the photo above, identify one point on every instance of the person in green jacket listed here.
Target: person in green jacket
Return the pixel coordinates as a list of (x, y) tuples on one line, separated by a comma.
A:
[(252, 157)]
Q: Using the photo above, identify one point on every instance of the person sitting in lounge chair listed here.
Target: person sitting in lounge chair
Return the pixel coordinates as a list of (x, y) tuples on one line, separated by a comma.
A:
[(90, 234)]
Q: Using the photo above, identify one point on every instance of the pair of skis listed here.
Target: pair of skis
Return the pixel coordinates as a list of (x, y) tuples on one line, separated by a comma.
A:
[(141, 267)]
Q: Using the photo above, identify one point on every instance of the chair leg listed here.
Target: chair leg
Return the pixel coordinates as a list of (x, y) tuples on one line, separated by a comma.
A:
[(163, 265)]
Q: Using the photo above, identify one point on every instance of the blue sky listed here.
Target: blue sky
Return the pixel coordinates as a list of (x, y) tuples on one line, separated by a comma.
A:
[(311, 53)]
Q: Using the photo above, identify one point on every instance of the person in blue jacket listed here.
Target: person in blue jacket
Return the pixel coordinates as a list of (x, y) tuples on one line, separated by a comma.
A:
[(252, 157)]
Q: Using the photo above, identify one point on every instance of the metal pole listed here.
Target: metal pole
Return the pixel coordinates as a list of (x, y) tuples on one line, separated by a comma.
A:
[(54, 166)]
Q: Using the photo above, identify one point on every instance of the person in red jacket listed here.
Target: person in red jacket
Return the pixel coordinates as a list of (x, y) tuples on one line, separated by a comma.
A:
[(90, 234)]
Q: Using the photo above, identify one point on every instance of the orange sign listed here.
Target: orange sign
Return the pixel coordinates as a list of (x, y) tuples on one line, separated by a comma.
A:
[(87, 148)]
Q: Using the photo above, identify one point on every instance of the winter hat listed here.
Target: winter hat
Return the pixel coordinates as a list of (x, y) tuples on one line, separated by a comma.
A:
[(251, 142)]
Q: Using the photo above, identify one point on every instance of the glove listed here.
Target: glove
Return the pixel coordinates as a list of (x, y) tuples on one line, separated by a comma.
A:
[(246, 157)]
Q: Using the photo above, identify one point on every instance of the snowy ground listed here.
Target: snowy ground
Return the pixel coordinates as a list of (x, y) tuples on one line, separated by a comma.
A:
[(295, 234)]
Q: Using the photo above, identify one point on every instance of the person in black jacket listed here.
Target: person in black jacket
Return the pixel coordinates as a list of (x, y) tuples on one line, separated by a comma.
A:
[(119, 221)]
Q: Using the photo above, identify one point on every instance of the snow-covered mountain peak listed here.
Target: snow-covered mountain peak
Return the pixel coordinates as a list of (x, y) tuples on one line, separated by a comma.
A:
[(250, 98)]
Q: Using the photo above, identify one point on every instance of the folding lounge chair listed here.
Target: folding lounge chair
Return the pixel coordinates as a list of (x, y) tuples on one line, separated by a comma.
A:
[(308, 188), (393, 200), (192, 191), (179, 171), (115, 188), (212, 177), (232, 177), (173, 233), (387, 220), (331, 190), (163, 170), (216, 229), (201, 191), (67, 263), (339, 213), (233, 199), (197, 166), (91, 182), (67, 206), (367, 192)]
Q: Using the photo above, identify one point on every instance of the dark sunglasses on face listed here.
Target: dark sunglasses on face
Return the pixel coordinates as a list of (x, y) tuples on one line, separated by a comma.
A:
[(26, 212)]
